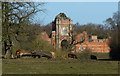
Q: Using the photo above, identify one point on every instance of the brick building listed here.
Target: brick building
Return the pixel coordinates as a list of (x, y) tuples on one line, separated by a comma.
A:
[(62, 31), (91, 42)]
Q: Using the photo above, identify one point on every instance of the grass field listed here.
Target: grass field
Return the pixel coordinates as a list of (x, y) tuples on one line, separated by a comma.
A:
[(58, 66)]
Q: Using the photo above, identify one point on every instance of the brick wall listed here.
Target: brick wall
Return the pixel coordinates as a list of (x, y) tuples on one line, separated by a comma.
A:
[(97, 45)]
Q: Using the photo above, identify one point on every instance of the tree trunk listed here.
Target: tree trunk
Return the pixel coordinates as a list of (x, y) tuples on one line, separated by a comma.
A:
[(8, 48)]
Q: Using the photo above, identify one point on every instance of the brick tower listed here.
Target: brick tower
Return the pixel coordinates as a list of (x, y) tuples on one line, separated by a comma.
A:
[(61, 30)]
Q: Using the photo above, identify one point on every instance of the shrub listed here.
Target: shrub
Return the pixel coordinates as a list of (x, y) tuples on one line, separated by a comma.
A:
[(42, 45), (84, 55), (60, 53)]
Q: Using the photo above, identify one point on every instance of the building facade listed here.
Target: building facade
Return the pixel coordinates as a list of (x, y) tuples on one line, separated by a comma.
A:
[(61, 30)]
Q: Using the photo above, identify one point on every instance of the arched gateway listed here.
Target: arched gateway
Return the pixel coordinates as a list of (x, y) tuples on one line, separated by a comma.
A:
[(65, 44), (61, 30)]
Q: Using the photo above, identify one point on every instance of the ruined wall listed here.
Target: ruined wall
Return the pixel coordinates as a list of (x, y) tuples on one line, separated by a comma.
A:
[(62, 30)]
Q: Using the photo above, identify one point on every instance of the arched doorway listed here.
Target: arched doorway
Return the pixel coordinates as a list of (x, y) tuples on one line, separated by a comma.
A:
[(65, 45)]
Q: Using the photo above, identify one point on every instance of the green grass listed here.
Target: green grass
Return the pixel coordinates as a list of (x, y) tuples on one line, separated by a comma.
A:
[(101, 55), (58, 66)]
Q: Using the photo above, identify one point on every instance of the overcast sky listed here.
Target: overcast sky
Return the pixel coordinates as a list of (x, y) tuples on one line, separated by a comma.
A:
[(82, 12)]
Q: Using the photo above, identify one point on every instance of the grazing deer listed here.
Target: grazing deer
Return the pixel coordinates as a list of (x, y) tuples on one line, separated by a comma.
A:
[(40, 54), (72, 56), (93, 57), (19, 53)]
